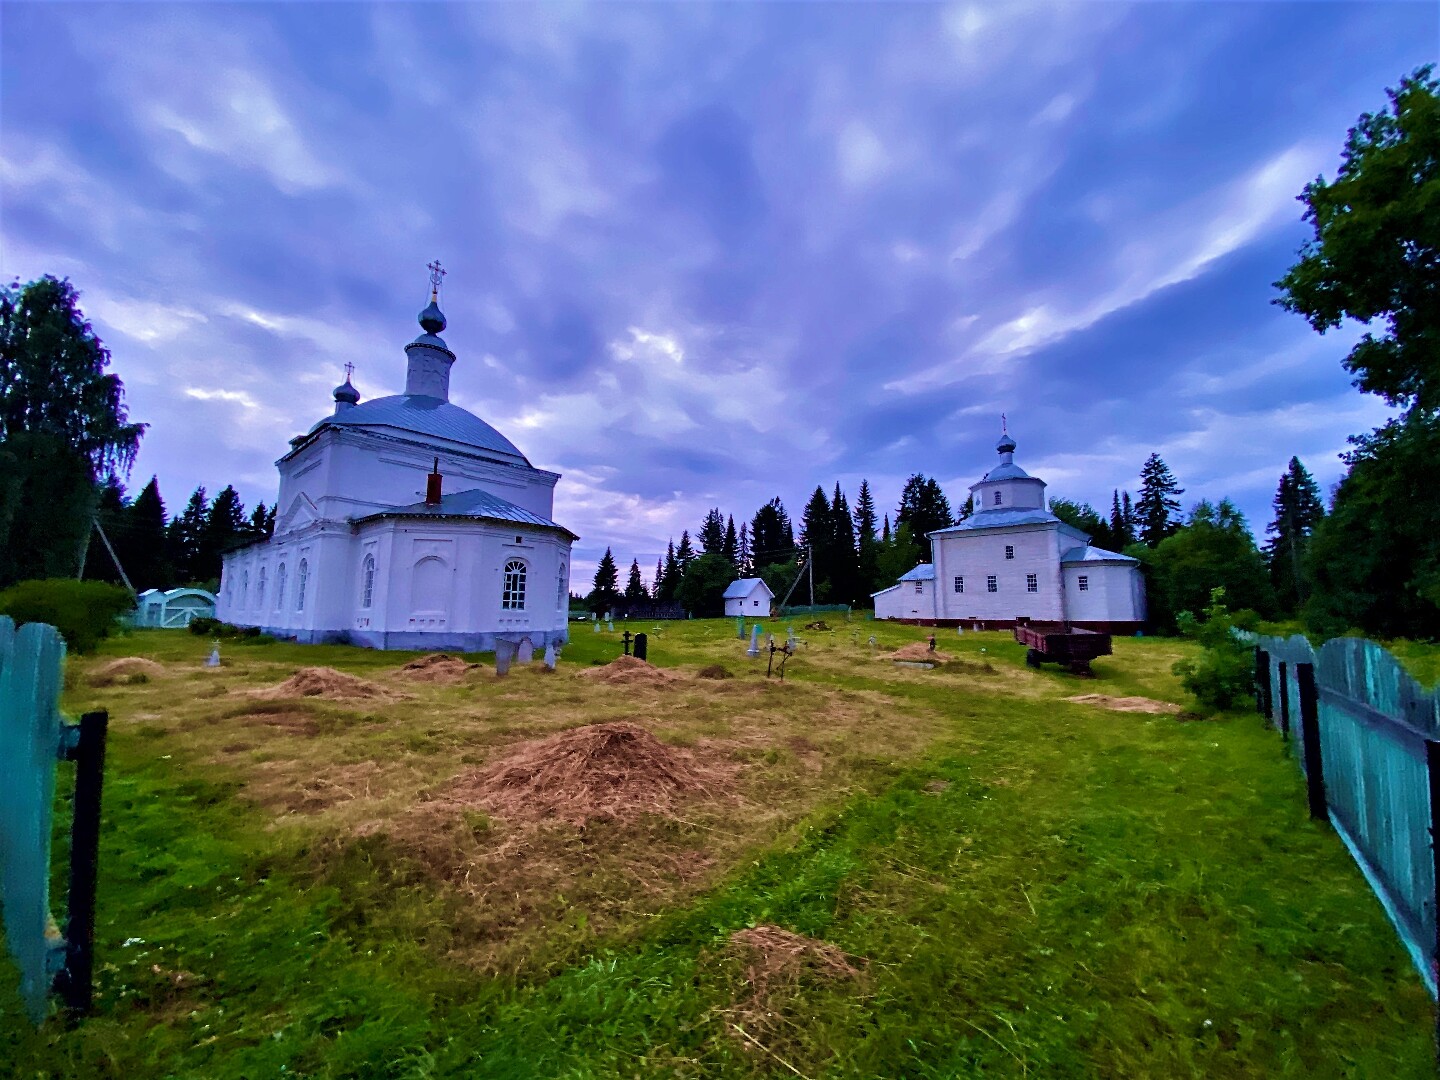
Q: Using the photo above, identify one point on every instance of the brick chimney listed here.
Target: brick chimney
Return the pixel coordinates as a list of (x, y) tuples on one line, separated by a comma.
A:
[(432, 485)]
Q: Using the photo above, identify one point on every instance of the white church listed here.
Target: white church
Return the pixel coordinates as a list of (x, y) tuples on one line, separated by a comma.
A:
[(1012, 558), (407, 522)]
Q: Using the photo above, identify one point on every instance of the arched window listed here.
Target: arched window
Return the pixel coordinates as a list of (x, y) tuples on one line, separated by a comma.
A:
[(562, 590), (260, 591), (302, 578), (367, 577), (280, 587), (244, 589), (513, 599)]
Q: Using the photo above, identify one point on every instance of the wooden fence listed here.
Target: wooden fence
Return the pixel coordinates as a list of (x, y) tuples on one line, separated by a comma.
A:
[(1367, 737), (33, 738)]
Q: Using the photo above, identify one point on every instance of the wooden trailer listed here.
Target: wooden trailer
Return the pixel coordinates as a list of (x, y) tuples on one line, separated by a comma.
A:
[(1061, 644)]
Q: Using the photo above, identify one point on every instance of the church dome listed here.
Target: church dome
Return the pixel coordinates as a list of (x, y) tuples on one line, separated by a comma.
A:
[(347, 393), (432, 319), (418, 414), (1006, 445)]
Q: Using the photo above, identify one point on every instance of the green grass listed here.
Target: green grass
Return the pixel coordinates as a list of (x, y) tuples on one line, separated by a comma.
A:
[(1034, 888)]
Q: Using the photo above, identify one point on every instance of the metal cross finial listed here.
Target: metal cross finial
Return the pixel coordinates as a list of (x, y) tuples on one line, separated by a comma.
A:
[(349, 370), (436, 274), (1003, 431)]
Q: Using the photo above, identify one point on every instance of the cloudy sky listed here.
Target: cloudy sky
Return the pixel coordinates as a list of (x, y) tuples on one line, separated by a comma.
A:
[(707, 255)]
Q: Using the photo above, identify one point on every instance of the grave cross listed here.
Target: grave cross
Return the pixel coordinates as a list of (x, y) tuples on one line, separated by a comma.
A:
[(625, 640)]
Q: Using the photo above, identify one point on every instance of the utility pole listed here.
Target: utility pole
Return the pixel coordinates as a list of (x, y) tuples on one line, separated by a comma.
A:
[(810, 566)]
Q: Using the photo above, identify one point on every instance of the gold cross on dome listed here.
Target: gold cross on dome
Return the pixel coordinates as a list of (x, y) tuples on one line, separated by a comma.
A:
[(436, 274)]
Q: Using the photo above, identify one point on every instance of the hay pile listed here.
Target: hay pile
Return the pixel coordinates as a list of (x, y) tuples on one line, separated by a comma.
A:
[(323, 682), (921, 651), (778, 964), (627, 671), (611, 772), (818, 625), (714, 671), (436, 668), (1125, 704), (127, 669)]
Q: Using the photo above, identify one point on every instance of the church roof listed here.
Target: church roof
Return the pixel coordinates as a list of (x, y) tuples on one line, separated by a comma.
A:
[(999, 519), (1094, 554), (740, 588), (423, 415), (924, 572), (476, 504), (1007, 471)]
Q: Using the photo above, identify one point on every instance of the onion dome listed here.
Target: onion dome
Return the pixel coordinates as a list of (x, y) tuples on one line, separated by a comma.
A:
[(346, 395), (1006, 445), (432, 319)]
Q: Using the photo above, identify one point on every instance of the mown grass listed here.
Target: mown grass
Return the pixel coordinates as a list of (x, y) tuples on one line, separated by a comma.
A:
[(1032, 887)]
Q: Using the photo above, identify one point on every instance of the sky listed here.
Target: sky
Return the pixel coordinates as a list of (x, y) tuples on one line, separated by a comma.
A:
[(706, 255)]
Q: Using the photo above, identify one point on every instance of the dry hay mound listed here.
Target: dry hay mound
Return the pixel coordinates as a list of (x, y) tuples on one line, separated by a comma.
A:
[(614, 772), (1125, 704), (127, 669), (628, 671), (817, 625), (323, 682), (436, 668), (777, 963), (714, 671), (921, 651)]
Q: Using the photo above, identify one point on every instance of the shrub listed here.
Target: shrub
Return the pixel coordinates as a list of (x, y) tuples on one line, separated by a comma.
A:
[(1223, 678), (83, 611)]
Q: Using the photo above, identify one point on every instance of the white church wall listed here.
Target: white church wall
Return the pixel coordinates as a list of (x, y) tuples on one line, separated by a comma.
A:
[(1114, 592), (906, 600), (976, 556)]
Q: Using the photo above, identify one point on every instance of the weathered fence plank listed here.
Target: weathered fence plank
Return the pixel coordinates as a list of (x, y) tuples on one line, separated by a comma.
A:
[(31, 662)]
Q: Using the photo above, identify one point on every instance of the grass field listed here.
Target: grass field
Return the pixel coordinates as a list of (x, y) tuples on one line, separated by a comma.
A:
[(1011, 883)]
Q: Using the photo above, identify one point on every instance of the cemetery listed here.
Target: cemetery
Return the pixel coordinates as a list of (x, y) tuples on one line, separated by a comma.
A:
[(320, 856)]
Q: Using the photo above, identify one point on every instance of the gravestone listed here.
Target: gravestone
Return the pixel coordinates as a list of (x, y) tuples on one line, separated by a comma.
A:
[(641, 646), (740, 627), (595, 626), (504, 653), (790, 637), (609, 624), (527, 651), (551, 656), (213, 660), (754, 650)]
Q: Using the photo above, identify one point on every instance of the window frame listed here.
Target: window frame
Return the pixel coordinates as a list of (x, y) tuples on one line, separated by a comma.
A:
[(302, 578), (512, 590), (959, 583), (367, 581), (1032, 583), (1082, 582), (1009, 551), (992, 583), (281, 574), (997, 498)]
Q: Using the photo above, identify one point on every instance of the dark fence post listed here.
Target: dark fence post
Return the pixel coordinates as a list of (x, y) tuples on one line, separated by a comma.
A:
[(1310, 733), (1262, 679), (75, 982), (1284, 703)]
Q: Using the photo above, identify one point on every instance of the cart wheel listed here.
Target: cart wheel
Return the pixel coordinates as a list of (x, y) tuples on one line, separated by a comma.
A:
[(1033, 657), (1082, 668)]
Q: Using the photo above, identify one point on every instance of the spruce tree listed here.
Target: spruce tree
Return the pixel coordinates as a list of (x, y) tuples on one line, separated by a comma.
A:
[(867, 544), (658, 579), (142, 545), (885, 536), (1157, 509), (924, 508), (966, 510), (817, 538), (712, 533), (225, 528), (731, 547), (772, 538), (685, 552), (606, 590), (635, 587), (669, 580), (1298, 510), (845, 569), (185, 539), (744, 562)]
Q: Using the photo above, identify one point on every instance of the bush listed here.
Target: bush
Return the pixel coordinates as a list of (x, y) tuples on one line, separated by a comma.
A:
[(1224, 677), (205, 627), (83, 611)]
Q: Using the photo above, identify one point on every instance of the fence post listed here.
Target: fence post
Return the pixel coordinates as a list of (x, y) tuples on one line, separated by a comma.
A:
[(1262, 682), (1284, 703), (1310, 733), (75, 982)]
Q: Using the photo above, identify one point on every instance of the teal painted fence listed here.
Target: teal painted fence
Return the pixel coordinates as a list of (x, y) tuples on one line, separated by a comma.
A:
[(1379, 752), (32, 739)]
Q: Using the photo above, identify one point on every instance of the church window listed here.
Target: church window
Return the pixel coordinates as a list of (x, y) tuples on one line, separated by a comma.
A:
[(991, 585), (1032, 583), (562, 591), (367, 575), (1009, 551), (280, 587), (959, 583), (919, 586), (513, 598), (1084, 583), (302, 577), (997, 498), (245, 589), (260, 591)]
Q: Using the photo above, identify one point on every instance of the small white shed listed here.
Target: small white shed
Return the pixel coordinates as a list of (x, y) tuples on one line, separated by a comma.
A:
[(912, 597), (748, 596), (173, 608)]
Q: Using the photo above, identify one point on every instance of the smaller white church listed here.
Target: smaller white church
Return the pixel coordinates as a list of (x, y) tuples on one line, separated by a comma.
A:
[(407, 522), (1012, 558)]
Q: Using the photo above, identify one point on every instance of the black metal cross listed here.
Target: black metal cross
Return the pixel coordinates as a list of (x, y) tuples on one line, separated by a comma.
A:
[(436, 274)]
